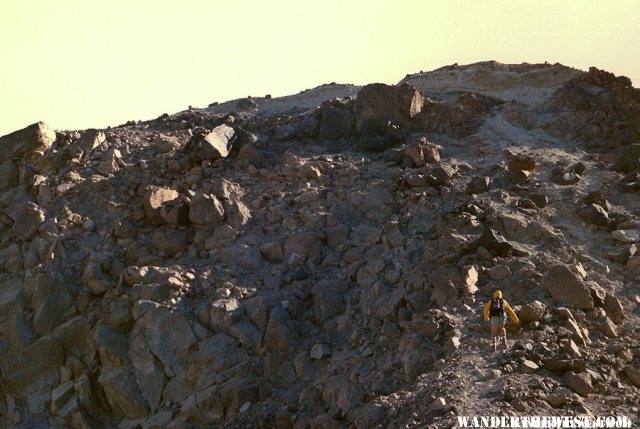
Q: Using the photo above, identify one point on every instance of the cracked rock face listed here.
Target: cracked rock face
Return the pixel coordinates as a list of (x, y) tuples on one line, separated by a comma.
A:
[(323, 260)]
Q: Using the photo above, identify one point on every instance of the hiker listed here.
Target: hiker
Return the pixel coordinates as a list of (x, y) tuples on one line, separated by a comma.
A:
[(496, 312)]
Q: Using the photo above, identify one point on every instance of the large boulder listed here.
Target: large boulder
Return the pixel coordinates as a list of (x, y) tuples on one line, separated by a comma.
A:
[(149, 377), (398, 104), (35, 138), (206, 210), (633, 374), (212, 146), (51, 302), (614, 308), (492, 240), (608, 328), (342, 391), (170, 241), (579, 383), (567, 288), (155, 199), (170, 346), (593, 214), (237, 214), (444, 293), (241, 255), (77, 339), (328, 300), (34, 369), (110, 162), (272, 252), (478, 185), (532, 312), (335, 123), (280, 335), (27, 219), (221, 352), (516, 162), (305, 243), (119, 386)]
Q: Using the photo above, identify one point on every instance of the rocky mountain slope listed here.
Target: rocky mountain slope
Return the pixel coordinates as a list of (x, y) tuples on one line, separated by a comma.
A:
[(322, 260)]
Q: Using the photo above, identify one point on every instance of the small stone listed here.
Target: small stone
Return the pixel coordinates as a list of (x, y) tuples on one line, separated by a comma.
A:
[(320, 351), (529, 367), (452, 345), (437, 405), (509, 394), (608, 328), (517, 162), (633, 374), (309, 172), (89, 225), (626, 235), (272, 252), (572, 348), (478, 185), (559, 397), (614, 308), (633, 264), (540, 200), (519, 405)]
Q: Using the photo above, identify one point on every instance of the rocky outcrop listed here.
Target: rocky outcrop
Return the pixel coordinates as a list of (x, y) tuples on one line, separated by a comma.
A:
[(319, 266), (597, 107), (34, 139)]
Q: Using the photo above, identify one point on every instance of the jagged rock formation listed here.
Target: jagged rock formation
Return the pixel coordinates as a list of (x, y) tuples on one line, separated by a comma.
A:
[(322, 260)]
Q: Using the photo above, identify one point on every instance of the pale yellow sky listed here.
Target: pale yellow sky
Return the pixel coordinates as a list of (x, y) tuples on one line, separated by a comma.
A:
[(84, 63)]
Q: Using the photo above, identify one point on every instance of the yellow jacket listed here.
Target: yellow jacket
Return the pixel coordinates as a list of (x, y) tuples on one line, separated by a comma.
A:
[(507, 308)]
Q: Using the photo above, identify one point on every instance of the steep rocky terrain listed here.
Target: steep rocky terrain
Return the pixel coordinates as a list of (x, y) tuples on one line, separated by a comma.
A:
[(322, 260)]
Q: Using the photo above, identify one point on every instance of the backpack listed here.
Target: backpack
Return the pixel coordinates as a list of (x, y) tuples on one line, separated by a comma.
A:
[(497, 307)]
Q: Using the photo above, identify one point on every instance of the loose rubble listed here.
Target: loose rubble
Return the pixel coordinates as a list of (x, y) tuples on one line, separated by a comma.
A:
[(322, 260)]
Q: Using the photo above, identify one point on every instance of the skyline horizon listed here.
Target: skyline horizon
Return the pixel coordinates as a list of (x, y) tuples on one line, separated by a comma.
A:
[(77, 65), (152, 117)]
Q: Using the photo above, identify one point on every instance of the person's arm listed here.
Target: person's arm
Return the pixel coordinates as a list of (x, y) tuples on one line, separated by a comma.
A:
[(512, 315), (486, 310)]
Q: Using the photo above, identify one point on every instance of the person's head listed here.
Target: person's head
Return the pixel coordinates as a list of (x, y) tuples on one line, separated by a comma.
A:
[(497, 294)]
